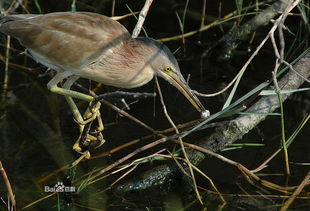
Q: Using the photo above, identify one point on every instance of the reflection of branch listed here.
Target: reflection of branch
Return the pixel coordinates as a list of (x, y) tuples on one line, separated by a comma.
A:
[(227, 133)]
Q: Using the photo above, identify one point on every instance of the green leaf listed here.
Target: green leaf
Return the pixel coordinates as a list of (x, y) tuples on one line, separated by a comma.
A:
[(272, 92)]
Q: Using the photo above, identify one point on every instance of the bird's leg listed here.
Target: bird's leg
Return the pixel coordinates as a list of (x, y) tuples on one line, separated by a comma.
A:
[(85, 139), (78, 117), (52, 86), (76, 113), (65, 90)]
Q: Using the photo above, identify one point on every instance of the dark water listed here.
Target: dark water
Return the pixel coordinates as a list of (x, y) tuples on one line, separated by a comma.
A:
[(37, 129)]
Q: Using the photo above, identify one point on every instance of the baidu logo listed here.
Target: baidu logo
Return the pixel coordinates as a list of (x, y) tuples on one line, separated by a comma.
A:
[(59, 188)]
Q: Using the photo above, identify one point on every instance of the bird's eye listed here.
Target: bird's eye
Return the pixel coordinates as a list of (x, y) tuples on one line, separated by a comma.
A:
[(168, 69)]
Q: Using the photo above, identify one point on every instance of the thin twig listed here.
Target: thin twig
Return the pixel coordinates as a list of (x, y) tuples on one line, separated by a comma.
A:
[(221, 91), (113, 8), (121, 94), (210, 181), (292, 69), (203, 13), (130, 155), (264, 164), (116, 18), (120, 111), (124, 113)]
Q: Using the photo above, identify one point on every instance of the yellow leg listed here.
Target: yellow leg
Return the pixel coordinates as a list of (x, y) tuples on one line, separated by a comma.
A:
[(90, 114), (76, 113), (52, 86)]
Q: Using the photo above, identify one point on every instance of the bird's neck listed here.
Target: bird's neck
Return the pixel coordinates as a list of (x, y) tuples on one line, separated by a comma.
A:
[(125, 65)]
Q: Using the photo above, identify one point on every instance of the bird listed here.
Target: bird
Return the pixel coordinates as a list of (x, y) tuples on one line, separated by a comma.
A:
[(96, 47)]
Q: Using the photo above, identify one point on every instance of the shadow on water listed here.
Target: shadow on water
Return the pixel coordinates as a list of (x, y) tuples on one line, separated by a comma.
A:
[(37, 130)]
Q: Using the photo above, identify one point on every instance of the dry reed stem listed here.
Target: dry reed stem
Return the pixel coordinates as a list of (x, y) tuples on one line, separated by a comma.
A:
[(123, 16), (130, 143), (211, 183), (246, 172), (8, 186), (189, 164), (305, 181), (134, 163), (37, 201)]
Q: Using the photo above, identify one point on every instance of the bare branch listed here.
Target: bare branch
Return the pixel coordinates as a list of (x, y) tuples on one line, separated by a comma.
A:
[(141, 19)]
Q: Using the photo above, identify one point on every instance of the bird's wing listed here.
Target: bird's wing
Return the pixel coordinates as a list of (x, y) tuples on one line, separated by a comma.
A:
[(65, 39)]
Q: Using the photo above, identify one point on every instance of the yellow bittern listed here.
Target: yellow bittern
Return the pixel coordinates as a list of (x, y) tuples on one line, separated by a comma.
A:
[(94, 47)]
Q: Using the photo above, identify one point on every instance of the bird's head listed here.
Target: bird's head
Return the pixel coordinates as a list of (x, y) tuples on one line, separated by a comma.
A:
[(165, 65)]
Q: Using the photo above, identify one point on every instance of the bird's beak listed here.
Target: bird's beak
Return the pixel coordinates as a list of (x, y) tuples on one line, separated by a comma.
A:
[(182, 86)]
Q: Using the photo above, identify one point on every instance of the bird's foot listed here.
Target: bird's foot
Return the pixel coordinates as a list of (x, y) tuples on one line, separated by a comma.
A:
[(90, 114), (83, 144), (96, 140), (84, 155), (89, 139)]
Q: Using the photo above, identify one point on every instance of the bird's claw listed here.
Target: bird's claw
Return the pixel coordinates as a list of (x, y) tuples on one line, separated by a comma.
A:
[(83, 143), (89, 139), (84, 155)]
